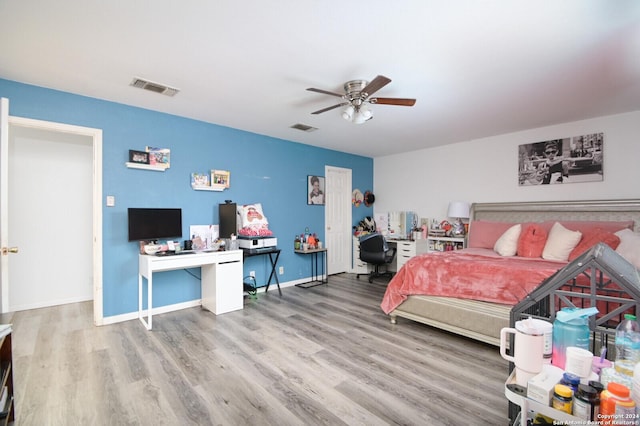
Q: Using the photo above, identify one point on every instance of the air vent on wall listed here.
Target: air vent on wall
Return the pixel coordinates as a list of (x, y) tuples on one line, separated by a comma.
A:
[(154, 87), (304, 127)]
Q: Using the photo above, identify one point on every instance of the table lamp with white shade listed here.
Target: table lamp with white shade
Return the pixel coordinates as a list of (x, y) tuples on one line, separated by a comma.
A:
[(458, 210)]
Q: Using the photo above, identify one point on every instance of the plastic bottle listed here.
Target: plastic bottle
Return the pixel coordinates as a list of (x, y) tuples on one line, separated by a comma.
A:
[(571, 328), (599, 387), (571, 380), (615, 404), (562, 398), (627, 345), (584, 401), (296, 243)]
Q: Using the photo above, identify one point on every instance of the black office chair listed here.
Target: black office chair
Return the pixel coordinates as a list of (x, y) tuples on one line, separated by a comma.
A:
[(374, 251)]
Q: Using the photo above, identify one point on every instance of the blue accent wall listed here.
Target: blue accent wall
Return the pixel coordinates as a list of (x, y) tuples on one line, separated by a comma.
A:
[(263, 169)]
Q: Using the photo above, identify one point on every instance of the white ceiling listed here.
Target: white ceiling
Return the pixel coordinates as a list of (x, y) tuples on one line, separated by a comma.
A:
[(477, 68)]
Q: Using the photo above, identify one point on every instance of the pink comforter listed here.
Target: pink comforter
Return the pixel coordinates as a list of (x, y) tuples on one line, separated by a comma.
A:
[(478, 274)]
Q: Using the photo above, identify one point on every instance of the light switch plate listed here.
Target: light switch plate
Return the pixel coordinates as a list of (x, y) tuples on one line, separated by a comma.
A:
[(111, 201)]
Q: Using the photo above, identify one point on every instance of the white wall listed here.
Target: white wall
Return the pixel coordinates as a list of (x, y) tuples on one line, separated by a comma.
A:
[(486, 170)]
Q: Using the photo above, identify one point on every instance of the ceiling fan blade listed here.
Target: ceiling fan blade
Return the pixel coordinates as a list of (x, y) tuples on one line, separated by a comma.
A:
[(393, 101), (312, 89), (376, 84), (320, 111)]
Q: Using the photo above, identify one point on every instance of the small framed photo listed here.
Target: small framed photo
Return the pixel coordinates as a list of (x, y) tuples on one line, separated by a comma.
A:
[(139, 157), (221, 177), (315, 190)]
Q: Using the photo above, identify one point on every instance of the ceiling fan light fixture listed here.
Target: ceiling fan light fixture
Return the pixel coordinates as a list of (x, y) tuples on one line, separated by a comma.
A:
[(366, 113), (361, 115), (357, 114), (357, 95), (348, 112), (358, 118)]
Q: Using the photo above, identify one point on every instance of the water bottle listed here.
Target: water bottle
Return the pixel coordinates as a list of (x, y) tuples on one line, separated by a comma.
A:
[(627, 345), (571, 328)]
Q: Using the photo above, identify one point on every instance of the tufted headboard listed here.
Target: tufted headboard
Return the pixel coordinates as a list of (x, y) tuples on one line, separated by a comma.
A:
[(537, 211)]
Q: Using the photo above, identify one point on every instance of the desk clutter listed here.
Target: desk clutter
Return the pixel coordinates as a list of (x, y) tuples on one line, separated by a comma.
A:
[(398, 225)]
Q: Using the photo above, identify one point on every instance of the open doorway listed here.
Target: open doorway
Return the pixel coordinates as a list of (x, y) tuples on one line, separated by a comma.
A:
[(52, 184)]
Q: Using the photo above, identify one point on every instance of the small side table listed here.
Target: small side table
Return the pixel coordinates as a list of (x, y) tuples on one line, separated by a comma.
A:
[(316, 277), (271, 252)]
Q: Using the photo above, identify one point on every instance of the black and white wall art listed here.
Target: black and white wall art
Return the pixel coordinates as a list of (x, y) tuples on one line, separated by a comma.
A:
[(567, 160)]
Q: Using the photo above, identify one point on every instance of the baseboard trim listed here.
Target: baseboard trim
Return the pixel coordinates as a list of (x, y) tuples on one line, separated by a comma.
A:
[(185, 305)]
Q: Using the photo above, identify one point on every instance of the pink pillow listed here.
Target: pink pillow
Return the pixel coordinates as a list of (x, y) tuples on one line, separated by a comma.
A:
[(485, 233), (593, 237), (532, 241)]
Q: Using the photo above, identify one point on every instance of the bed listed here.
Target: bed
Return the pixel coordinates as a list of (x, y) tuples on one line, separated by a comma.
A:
[(481, 314)]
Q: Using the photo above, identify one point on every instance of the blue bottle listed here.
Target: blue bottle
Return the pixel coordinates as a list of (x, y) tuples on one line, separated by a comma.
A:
[(571, 328)]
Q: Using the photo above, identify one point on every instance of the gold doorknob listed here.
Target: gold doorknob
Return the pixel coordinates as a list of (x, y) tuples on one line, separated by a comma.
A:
[(7, 250)]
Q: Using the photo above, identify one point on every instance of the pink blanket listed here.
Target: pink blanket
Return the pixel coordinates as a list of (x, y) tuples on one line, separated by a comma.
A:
[(478, 274)]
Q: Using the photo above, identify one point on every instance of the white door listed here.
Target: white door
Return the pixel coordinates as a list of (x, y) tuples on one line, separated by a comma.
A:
[(50, 209), (338, 219), (51, 191)]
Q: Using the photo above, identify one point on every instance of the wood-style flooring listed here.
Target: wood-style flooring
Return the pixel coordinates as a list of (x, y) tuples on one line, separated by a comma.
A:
[(326, 355)]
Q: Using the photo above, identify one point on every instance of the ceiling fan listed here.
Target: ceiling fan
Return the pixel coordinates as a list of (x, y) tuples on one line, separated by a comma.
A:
[(356, 97)]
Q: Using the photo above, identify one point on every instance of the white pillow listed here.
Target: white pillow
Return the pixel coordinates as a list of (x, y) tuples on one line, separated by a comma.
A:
[(507, 244), (560, 243), (629, 246)]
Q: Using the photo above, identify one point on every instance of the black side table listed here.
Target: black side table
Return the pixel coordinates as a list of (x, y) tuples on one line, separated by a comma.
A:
[(274, 254), (316, 277)]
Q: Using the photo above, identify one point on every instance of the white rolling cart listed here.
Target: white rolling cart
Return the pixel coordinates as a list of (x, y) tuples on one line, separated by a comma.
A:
[(527, 405)]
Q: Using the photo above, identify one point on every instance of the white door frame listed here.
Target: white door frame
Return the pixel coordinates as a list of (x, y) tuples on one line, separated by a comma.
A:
[(96, 137)]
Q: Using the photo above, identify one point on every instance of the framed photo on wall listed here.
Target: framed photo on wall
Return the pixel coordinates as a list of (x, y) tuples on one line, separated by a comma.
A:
[(138, 157), (221, 177), (567, 160), (315, 190)]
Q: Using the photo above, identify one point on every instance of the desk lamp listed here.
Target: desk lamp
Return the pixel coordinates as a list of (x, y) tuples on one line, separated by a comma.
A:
[(459, 210)]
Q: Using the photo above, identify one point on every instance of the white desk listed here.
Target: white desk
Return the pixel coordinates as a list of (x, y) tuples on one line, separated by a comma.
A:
[(221, 279)]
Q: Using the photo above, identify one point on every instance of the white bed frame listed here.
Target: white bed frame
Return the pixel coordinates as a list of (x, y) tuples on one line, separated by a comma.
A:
[(482, 320)]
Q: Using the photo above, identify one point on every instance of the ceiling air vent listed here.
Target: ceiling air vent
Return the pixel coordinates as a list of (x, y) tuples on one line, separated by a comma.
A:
[(154, 87), (304, 127)]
